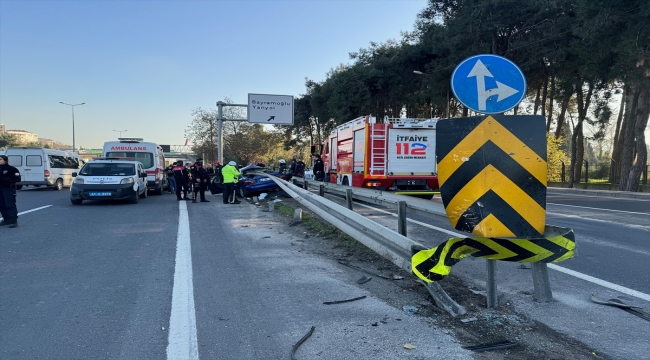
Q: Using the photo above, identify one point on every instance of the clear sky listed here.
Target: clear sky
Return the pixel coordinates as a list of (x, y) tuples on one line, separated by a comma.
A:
[(143, 66)]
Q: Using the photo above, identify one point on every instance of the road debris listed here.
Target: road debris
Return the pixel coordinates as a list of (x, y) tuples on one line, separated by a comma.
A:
[(504, 344), (468, 319), (364, 270), (410, 347), (634, 310), (302, 340), (344, 301), (364, 279), (410, 310)]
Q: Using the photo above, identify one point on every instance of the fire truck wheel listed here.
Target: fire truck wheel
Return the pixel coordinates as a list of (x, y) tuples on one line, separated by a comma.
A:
[(345, 182)]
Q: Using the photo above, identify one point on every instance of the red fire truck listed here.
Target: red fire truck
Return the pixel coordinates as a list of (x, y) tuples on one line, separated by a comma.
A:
[(395, 154)]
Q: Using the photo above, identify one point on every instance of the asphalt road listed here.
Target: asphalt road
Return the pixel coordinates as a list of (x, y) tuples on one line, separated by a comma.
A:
[(116, 281), (613, 246)]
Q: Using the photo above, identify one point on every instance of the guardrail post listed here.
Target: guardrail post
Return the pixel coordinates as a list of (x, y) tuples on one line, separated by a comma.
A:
[(271, 206), (348, 198), (297, 215), (563, 173), (491, 291), (306, 185), (542, 284), (295, 182), (321, 190), (401, 217)]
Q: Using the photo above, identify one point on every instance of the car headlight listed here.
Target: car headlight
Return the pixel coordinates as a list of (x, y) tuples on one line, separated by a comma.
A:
[(127, 181), (78, 181)]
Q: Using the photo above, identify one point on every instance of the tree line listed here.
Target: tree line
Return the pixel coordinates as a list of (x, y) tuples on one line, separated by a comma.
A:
[(587, 64)]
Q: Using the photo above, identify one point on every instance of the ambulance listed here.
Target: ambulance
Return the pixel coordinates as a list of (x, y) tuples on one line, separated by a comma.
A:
[(149, 154)]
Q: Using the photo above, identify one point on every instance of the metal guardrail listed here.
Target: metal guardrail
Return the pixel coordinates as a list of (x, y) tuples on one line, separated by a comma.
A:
[(395, 246)]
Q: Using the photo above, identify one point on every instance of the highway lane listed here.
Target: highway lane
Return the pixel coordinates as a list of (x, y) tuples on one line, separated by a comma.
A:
[(97, 281), (87, 282)]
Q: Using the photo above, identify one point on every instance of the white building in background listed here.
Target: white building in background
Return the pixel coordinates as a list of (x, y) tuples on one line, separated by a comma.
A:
[(23, 136), (2, 128)]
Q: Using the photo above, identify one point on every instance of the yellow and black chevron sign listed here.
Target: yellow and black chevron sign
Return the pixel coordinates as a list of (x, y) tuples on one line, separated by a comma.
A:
[(492, 174), (558, 244)]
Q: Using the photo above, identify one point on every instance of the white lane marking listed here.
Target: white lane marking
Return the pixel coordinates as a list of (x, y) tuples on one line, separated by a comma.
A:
[(593, 208), (633, 226), (579, 275), (601, 196), (32, 210), (601, 282), (182, 321)]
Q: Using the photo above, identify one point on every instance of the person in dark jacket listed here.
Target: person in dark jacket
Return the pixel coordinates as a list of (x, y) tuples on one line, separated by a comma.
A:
[(300, 168), (217, 171), (170, 179), (9, 176), (181, 176), (319, 168), (200, 180), (292, 168)]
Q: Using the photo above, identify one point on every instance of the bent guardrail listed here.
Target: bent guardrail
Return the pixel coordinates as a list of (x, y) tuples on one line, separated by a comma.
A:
[(394, 247), (407, 248)]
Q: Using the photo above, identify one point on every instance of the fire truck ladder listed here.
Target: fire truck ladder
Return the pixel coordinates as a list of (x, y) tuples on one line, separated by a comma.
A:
[(378, 149)]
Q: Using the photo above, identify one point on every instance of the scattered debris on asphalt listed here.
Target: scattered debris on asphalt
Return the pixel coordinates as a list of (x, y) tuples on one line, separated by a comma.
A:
[(364, 279), (342, 262), (410, 310), (302, 340), (344, 301), (410, 347), (468, 319), (499, 345), (634, 310)]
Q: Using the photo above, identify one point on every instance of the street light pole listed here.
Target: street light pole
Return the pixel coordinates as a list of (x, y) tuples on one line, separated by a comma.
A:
[(121, 131), (74, 145)]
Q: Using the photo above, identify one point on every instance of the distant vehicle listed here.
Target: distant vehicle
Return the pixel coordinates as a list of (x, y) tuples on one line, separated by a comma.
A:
[(149, 154), (394, 154), (250, 184), (109, 179), (43, 167)]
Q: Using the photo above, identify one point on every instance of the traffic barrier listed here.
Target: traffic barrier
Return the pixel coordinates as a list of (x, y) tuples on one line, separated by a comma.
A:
[(541, 282)]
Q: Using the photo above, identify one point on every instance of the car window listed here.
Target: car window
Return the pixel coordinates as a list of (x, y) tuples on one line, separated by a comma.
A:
[(108, 169), (144, 157), (34, 160), (15, 160)]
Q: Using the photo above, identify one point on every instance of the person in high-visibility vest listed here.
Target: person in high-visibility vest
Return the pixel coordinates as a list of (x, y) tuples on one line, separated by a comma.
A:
[(230, 178)]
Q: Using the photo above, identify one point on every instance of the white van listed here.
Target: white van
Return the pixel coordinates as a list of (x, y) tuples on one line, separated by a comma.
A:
[(149, 154), (43, 167)]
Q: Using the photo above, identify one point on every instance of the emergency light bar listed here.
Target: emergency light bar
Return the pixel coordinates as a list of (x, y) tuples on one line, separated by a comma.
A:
[(130, 140)]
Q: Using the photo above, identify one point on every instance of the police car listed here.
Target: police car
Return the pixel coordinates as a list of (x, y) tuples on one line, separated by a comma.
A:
[(109, 179)]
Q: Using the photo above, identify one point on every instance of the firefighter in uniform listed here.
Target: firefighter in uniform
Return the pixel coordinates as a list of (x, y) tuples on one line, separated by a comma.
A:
[(319, 168), (230, 178), (181, 176), (200, 179), (9, 176)]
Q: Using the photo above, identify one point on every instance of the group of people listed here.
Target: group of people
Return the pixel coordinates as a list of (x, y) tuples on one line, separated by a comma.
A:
[(189, 178), (298, 167), (195, 179)]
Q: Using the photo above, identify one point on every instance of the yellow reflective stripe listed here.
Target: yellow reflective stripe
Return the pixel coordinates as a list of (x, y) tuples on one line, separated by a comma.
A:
[(491, 225), (491, 130), (492, 179)]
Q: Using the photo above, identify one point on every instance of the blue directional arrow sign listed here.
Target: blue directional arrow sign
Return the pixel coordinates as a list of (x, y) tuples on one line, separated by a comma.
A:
[(488, 84)]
